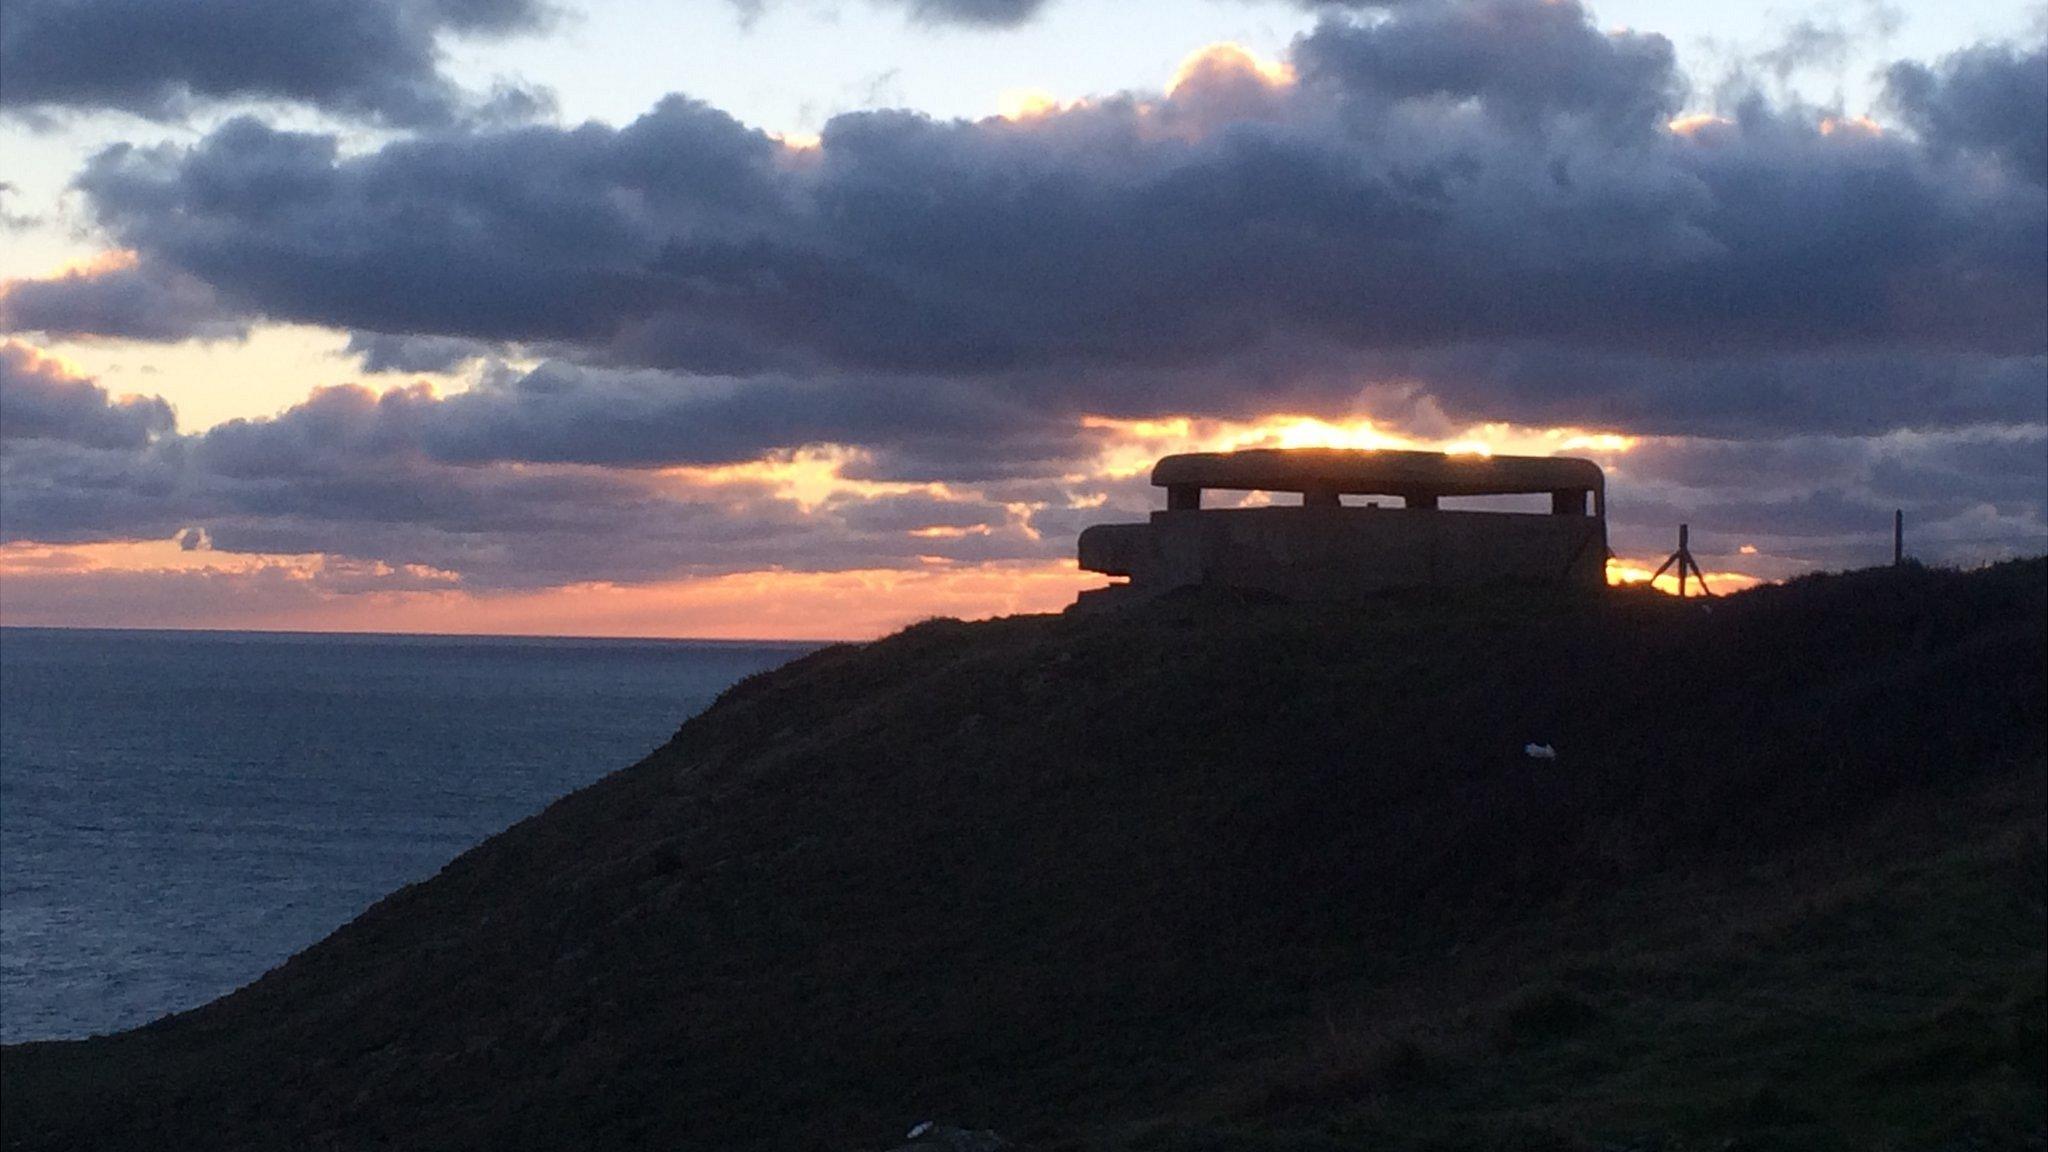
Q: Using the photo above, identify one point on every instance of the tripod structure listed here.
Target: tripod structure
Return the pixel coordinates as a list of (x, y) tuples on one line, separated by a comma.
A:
[(1684, 561)]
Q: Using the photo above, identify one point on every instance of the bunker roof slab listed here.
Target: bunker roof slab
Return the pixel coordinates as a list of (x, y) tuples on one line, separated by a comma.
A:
[(1380, 472)]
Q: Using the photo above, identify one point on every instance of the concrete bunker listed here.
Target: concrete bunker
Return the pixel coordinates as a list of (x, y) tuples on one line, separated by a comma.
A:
[(1324, 550)]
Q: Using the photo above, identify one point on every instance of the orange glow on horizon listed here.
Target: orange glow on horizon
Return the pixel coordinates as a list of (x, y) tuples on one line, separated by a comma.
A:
[(321, 593), (1623, 572), (327, 594)]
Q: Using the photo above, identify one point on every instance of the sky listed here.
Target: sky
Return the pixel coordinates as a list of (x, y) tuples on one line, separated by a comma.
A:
[(812, 318)]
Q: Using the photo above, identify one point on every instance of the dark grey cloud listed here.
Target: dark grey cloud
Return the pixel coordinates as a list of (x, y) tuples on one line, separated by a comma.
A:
[(400, 352), (77, 463), (1485, 185), (991, 14), (1520, 60), (39, 400), (377, 59), (1842, 391), (996, 14), (985, 13), (562, 413), (1802, 502), (1991, 99), (127, 300)]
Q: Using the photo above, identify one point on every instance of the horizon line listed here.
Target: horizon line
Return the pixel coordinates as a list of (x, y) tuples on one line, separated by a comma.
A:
[(343, 632)]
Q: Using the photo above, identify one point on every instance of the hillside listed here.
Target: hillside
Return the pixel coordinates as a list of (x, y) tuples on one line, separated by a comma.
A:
[(1218, 875)]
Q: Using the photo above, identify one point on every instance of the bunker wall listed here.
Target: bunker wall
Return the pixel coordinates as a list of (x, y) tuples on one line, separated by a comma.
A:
[(1320, 553)]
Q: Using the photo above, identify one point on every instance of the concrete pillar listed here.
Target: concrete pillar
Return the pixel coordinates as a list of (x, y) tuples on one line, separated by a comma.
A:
[(1425, 500), (1183, 498), (1568, 502), (1320, 498)]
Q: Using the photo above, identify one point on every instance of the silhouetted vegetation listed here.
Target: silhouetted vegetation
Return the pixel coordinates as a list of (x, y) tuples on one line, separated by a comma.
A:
[(1219, 875)]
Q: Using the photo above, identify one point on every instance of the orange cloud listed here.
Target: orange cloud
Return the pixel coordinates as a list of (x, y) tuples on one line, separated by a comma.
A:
[(1027, 103), (1696, 124), (1226, 58)]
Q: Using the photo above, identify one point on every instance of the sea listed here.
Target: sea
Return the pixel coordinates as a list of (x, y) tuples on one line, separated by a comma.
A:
[(182, 811)]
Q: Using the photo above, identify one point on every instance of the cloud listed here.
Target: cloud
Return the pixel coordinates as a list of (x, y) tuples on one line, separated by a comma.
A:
[(986, 13), (1489, 183), (1000, 14), (1842, 390), (121, 297), (403, 478), (1967, 494), (371, 59), (1991, 99), (399, 352), (46, 401), (886, 351), (14, 221), (1807, 44), (1521, 61), (79, 464), (525, 482), (564, 413), (991, 14)]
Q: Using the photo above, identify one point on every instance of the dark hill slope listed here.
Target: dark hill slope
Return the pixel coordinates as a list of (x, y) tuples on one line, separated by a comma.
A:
[(1217, 876)]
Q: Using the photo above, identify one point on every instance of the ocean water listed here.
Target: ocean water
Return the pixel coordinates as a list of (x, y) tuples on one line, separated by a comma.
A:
[(180, 812)]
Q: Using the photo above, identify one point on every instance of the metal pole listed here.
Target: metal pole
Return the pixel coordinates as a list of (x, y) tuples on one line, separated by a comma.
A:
[(1684, 554), (1898, 537)]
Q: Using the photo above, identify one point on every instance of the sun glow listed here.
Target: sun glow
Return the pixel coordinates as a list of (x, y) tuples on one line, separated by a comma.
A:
[(1623, 572), (97, 264), (1228, 56), (1027, 103), (1131, 446)]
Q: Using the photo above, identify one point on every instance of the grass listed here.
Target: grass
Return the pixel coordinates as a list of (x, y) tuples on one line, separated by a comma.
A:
[(1216, 875)]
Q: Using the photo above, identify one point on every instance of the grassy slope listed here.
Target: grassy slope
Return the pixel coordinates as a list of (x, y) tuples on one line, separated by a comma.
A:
[(1218, 876)]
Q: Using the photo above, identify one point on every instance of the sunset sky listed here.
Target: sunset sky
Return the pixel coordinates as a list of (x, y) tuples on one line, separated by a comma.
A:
[(811, 318)]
